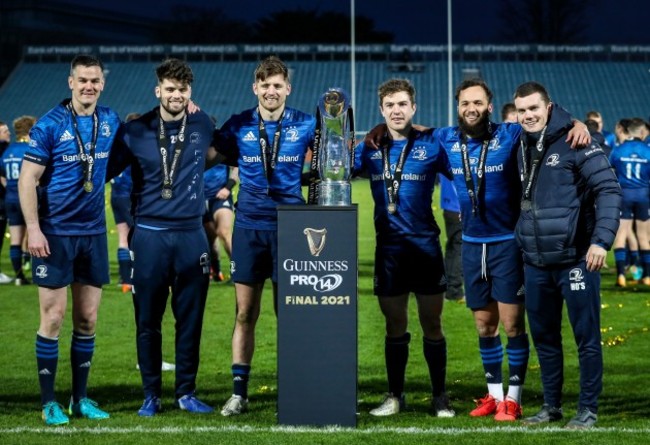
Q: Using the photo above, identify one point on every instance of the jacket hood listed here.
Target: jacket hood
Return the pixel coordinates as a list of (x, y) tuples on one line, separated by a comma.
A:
[(559, 123)]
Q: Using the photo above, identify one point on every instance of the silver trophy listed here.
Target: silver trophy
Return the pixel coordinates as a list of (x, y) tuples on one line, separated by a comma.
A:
[(335, 148)]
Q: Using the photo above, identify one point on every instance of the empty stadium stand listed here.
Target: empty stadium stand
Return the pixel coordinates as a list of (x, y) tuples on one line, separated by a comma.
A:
[(221, 88)]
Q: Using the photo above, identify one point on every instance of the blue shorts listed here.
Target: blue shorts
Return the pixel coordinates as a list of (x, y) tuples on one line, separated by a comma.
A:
[(121, 206), (254, 255), (73, 259), (404, 268), (14, 214), (492, 272), (636, 204), (214, 204)]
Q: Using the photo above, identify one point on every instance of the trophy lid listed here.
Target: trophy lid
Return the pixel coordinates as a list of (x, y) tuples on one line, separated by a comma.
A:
[(334, 102)]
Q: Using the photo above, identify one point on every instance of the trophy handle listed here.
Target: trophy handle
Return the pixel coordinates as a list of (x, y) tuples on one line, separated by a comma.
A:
[(314, 175)]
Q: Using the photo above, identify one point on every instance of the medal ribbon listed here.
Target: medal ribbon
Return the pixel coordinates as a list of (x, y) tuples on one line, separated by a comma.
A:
[(87, 160), (269, 156), (393, 181), (535, 158), (480, 171), (164, 142)]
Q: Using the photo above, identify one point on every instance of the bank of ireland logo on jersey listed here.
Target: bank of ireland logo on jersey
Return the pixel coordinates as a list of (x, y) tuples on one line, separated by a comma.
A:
[(576, 277), (315, 240)]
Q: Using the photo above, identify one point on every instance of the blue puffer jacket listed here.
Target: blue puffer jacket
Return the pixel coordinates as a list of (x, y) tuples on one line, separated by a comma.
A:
[(575, 199)]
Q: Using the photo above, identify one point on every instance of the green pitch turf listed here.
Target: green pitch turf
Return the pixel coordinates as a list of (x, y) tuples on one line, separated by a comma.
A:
[(115, 382)]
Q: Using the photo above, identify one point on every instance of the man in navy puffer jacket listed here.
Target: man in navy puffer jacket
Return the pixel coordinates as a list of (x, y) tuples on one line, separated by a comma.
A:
[(570, 211)]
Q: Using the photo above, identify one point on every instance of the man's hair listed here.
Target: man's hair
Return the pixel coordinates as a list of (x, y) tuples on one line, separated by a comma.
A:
[(636, 126), (528, 88), (175, 69), (22, 125), (507, 109), (624, 123), (592, 126), (393, 86), (593, 113), (85, 60), (132, 116), (475, 82), (271, 66)]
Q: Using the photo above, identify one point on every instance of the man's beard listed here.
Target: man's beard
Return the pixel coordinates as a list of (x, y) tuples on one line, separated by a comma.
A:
[(478, 129), (172, 112)]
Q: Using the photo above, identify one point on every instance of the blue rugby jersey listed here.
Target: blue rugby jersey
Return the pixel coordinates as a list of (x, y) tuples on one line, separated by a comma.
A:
[(64, 207), (258, 199), (501, 190), (122, 184), (142, 150), (215, 179), (631, 162), (414, 215), (12, 160)]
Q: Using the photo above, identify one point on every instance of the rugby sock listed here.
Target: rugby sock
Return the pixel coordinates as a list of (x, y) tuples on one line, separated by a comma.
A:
[(634, 257), (645, 261), (124, 264), (435, 353), (81, 356), (492, 357), (240, 374), (518, 351), (47, 358), (620, 256), (16, 256), (396, 352), (215, 263)]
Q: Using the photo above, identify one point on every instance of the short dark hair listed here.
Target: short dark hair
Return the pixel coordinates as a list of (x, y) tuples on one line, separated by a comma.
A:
[(175, 69), (528, 88), (271, 66), (592, 126), (507, 109), (474, 82), (393, 86), (636, 124), (85, 60)]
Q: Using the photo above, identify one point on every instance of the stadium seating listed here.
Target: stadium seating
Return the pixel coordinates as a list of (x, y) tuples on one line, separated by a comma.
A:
[(617, 89)]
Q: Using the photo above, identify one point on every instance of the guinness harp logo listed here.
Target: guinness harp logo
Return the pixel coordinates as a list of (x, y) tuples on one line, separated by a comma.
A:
[(315, 239)]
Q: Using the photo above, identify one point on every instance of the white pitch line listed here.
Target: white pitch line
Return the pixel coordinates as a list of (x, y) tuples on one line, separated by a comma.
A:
[(324, 430)]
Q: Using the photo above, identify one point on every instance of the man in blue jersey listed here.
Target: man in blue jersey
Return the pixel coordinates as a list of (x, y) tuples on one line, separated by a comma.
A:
[(408, 256), (268, 143), (10, 163), (167, 149), (570, 207), (5, 139), (631, 162), (66, 227), (219, 182), (482, 157)]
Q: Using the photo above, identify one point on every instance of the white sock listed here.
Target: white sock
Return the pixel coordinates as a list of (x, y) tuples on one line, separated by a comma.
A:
[(514, 393), (496, 391)]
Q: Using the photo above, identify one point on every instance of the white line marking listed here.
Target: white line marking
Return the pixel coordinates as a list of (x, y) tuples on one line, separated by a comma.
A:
[(324, 430)]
